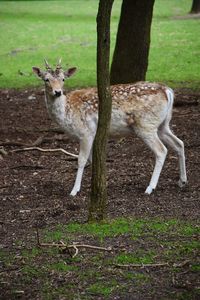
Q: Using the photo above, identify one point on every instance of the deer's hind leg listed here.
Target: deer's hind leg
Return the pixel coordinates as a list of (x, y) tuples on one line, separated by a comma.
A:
[(178, 146), (153, 141)]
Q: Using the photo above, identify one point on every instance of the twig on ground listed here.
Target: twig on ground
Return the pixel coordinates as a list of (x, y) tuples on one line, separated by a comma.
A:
[(141, 265), (62, 245), (181, 264), (37, 236), (76, 252), (2, 152), (37, 142), (13, 143), (176, 265), (45, 150)]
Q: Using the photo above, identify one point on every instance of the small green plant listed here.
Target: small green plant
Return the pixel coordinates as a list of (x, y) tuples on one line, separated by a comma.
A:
[(63, 292), (31, 271), (32, 253), (138, 278), (55, 236), (140, 257), (103, 289), (162, 226), (195, 268), (62, 267), (189, 230), (177, 250), (6, 259)]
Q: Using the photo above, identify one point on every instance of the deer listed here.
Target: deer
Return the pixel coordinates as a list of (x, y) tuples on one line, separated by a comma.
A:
[(142, 107)]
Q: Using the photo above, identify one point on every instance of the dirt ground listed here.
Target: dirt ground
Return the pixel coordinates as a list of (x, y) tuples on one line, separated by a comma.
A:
[(35, 186)]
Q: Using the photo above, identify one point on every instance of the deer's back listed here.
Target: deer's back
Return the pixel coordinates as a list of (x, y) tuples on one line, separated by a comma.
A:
[(132, 105)]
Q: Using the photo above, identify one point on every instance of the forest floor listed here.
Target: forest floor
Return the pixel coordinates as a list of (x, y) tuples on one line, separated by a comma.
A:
[(34, 193)]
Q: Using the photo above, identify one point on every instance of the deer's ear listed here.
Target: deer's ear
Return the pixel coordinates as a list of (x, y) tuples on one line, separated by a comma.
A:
[(37, 71), (70, 72)]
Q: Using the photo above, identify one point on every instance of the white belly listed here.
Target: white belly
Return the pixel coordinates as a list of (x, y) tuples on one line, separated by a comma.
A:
[(119, 124)]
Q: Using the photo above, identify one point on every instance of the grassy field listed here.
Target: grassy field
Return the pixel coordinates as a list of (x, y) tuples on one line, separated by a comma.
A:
[(93, 274), (32, 30)]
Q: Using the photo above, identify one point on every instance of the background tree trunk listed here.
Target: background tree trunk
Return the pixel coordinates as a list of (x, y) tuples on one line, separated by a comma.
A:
[(130, 59), (98, 198), (195, 9)]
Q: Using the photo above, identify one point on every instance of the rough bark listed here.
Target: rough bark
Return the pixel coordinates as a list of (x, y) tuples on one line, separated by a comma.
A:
[(130, 59), (195, 9), (98, 199)]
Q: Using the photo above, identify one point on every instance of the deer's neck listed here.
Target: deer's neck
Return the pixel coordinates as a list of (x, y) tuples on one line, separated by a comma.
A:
[(56, 107)]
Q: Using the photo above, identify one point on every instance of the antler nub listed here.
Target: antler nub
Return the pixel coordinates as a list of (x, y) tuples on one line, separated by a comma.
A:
[(47, 65), (58, 67)]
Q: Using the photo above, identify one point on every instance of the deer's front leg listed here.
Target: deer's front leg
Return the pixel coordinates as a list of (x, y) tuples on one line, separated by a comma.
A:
[(85, 148)]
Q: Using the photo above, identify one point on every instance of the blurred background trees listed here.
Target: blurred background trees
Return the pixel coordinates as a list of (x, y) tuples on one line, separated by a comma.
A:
[(130, 59), (195, 7)]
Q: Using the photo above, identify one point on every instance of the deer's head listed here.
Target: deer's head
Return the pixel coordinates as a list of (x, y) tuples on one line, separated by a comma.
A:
[(54, 79)]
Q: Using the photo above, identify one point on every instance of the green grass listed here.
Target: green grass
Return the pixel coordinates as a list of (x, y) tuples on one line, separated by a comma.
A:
[(176, 250), (32, 30), (133, 227), (138, 257), (136, 277), (32, 253), (31, 271), (95, 273), (100, 231), (61, 266), (102, 289), (195, 268)]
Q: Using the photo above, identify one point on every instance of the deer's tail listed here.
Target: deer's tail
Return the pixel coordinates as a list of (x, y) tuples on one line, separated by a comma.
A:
[(170, 99)]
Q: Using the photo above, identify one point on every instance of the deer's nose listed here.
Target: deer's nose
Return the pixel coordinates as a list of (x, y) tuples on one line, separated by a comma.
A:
[(57, 93)]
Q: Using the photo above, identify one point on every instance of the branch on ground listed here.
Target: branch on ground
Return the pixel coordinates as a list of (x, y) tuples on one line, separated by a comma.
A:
[(2, 152), (141, 265), (156, 265), (74, 246), (38, 141), (45, 150)]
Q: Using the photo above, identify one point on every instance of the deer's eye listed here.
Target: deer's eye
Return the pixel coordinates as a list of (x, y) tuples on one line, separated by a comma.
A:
[(63, 79), (47, 80)]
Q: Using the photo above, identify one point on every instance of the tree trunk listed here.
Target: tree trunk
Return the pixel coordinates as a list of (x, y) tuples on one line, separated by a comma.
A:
[(130, 59), (195, 9), (98, 198)]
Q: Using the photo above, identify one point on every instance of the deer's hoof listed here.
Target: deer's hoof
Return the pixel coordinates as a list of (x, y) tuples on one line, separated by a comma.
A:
[(149, 190), (182, 183), (74, 192)]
